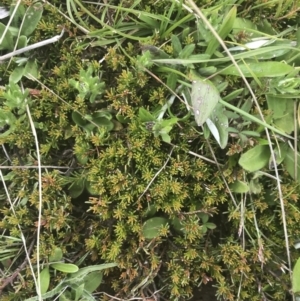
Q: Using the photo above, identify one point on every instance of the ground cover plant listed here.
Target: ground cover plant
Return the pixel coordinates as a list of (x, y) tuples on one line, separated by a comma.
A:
[(149, 150)]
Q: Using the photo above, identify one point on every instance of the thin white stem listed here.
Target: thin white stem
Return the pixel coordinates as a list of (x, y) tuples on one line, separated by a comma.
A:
[(30, 47)]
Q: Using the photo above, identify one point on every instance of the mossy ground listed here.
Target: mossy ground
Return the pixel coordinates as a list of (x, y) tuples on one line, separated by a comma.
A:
[(243, 256)]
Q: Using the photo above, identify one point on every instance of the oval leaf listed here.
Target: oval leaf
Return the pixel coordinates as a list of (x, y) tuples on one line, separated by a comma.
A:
[(77, 188), (210, 226), (152, 227), (22, 42), (45, 280), (92, 281), (17, 74), (78, 119), (239, 187), (205, 97), (255, 158), (89, 187), (31, 69), (177, 225), (56, 256), (65, 267), (32, 17)]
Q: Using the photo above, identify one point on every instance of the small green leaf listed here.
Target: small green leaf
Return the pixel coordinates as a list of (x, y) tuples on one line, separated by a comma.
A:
[(175, 222), (239, 187), (90, 189), (256, 158), (247, 105), (77, 188), (254, 186), (19, 13), (78, 119), (210, 226), (185, 32), (163, 127), (283, 112), (296, 278), (205, 97), (150, 211), (242, 24), (92, 281), (261, 69), (152, 226), (176, 45), (145, 115), (286, 123), (104, 114), (45, 280), (68, 132), (32, 17), (22, 42), (187, 51), (6, 118), (206, 71), (277, 105), (289, 163), (31, 69), (165, 137), (17, 74), (7, 42), (65, 267), (172, 80), (103, 121), (82, 159), (122, 119), (203, 229), (204, 217), (57, 255), (88, 123)]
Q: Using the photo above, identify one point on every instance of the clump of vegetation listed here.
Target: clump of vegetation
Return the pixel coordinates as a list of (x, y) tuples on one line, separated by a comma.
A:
[(149, 151)]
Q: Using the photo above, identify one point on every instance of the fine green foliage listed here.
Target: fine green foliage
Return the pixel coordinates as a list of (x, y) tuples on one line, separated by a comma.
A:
[(88, 86), (150, 153)]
